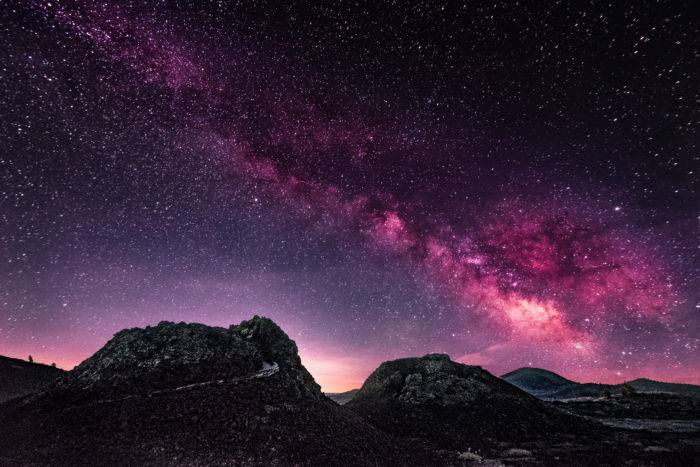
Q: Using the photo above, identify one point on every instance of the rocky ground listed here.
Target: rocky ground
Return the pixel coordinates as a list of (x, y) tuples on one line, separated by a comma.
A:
[(188, 394), (640, 406)]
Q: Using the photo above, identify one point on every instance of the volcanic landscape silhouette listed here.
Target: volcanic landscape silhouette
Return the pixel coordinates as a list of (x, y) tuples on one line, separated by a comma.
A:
[(194, 394)]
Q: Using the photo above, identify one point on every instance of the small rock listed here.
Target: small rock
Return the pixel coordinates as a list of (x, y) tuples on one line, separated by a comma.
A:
[(656, 449), (516, 452), (469, 456)]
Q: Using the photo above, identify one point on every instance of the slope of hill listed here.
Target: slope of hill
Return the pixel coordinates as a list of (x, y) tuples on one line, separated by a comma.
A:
[(18, 377), (193, 394), (342, 398), (537, 381), (452, 405)]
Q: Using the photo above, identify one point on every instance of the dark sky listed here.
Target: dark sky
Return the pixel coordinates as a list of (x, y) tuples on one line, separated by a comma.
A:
[(511, 183)]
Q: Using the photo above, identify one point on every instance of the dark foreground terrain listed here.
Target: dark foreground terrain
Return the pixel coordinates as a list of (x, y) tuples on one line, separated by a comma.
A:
[(189, 394), (427, 398), (652, 406), (19, 377)]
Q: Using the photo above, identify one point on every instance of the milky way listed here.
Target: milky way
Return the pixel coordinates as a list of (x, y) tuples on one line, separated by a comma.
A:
[(511, 188)]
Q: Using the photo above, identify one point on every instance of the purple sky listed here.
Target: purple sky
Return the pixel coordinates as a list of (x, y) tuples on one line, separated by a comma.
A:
[(510, 186)]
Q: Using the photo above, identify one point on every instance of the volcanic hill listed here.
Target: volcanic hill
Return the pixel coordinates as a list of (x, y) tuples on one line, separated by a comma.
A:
[(193, 394), (452, 405)]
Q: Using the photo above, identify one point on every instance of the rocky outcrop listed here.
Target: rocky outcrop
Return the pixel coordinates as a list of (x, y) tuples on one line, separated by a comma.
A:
[(196, 395), (452, 405), (138, 362), (274, 346)]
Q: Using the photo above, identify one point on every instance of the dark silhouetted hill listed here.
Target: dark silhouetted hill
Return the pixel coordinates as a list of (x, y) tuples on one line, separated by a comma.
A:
[(548, 385), (452, 405), (342, 398), (447, 405), (19, 377), (537, 381)]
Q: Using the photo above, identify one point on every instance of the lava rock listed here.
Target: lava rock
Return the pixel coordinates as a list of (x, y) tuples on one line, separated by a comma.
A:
[(274, 346), (195, 395), (137, 362), (452, 405)]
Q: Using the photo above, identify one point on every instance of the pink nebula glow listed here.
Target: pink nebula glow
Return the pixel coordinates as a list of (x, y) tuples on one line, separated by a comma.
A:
[(549, 278)]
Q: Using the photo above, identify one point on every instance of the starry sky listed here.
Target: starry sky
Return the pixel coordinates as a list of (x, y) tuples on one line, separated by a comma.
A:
[(512, 183)]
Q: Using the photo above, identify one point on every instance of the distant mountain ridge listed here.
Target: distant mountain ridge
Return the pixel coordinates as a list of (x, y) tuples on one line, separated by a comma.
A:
[(537, 381), (342, 398), (19, 377), (546, 384)]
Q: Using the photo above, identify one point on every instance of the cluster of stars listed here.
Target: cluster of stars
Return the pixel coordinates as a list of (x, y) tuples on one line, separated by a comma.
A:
[(509, 184)]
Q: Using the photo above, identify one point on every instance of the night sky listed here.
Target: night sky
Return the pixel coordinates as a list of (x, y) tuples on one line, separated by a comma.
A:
[(511, 183)]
